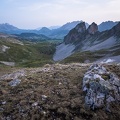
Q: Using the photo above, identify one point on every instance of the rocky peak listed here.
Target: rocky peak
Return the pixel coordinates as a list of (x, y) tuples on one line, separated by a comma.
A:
[(76, 33), (93, 28), (81, 27)]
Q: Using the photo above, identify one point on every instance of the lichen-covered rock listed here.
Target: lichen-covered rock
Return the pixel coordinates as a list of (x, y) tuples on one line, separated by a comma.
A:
[(14, 82), (14, 75), (101, 87)]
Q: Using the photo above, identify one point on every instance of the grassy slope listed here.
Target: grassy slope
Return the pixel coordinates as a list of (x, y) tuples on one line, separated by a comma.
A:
[(29, 54)]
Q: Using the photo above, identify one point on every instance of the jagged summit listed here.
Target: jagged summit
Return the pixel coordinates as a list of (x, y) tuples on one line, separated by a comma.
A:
[(80, 32), (81, 27), (76, 33), (93, 28)]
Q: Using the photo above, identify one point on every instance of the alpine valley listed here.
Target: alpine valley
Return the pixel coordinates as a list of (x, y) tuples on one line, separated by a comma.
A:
[(68, 72)]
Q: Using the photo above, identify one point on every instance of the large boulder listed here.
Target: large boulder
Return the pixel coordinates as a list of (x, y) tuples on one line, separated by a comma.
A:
[(101, 87)]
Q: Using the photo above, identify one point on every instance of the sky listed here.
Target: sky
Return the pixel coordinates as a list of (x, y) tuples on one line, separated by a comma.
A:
[(31, 14)]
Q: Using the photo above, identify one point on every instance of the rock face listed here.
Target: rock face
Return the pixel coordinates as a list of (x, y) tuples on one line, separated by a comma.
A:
[(93, 28), (101, 87), (81, 28), (76, 34), (80, 33)]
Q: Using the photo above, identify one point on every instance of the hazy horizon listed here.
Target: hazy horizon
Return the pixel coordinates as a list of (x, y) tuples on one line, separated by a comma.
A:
[(31, 14)]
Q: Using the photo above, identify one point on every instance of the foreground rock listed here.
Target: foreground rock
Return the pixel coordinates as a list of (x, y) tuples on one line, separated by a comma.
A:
[(14, 75), (101, 87), (14, 82)]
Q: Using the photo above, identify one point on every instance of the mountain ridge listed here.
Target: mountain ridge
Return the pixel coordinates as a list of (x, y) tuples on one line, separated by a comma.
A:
[(58, 33), (90, 40)]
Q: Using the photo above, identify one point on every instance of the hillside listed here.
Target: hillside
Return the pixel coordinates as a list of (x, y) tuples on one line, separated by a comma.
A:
[(24, 53), (50, 92)]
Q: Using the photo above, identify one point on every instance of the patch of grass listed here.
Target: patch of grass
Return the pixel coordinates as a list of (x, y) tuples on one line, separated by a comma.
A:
[(81, 57), (105, 77), (36, 63)]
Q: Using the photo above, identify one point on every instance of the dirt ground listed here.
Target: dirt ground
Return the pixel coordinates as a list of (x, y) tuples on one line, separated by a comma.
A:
[(53, 92)]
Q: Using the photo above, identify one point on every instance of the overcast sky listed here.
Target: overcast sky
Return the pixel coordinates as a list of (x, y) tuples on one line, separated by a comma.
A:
[(30, 14)]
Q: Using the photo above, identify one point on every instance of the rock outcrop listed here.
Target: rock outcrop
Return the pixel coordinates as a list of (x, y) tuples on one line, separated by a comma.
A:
[(80, 33), (92, 40), (14, 75), (80, 28), (93, 28), (14, 82), (76, 33), (101, 87)]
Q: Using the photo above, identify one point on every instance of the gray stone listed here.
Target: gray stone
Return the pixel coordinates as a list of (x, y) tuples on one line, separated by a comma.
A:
[(14, 82), (101, 87)]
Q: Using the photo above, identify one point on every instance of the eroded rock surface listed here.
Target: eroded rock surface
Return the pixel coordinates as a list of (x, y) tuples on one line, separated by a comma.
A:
[(101, 87), (14, 82), (14, 75)]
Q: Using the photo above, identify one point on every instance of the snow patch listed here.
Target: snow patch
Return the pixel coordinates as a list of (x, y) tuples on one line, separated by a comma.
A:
[(63, 51)]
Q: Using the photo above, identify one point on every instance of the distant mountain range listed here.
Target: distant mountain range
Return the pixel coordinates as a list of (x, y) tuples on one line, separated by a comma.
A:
[(51, 27), (54, 31), (97, 44), (106, 25), (83, 43)]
